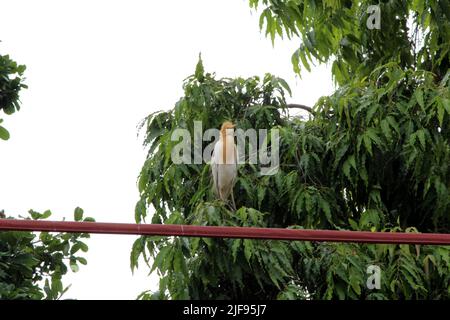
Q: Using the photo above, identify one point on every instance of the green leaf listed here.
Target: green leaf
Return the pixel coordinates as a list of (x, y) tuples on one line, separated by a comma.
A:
[(4, 134), (46, 214), (374, 137), (446, 104), (353, 224), (136, 251), (295, 60), (83, 246), (78, 214), (195, 242), (442, 106), (340, 153), (26, 259), (56, 286), (385, 129), (421, 135), (261, 192), (305, 63), (440, 112), (235, 247), (79, 246), (248, 249), (74, 267), (285, 85), (158, 262), (371, 112), (367, 143), (369, 218), (326, 209), (178, 262), (354, 283), (393, 124), (419, 96), (140, 211)]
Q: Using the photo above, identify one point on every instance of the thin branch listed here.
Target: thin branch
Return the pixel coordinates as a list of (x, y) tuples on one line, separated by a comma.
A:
[(300, 106)]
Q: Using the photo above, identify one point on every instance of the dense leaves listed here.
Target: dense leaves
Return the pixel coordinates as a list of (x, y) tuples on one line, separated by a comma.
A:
[(11, 82), (353, 166), (413, 33), (372, 156), (32, 264)]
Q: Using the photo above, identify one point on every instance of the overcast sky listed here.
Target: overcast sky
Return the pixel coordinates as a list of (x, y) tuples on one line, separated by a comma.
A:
[(94, 70)]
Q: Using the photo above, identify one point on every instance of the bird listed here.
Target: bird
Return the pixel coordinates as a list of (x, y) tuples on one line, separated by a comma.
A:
[(224, 164)]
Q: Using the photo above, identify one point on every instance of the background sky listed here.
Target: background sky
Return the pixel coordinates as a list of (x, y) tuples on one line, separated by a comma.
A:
[(95, 69)]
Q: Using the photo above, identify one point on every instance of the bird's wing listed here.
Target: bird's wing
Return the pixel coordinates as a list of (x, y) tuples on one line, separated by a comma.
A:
[(215, 173)]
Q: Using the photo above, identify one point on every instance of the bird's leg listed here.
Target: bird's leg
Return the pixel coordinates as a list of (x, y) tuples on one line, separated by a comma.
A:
[(232, 201), (229, 206)]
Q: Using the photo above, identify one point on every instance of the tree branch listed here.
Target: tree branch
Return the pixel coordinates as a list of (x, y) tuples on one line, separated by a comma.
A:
[(300, 106)]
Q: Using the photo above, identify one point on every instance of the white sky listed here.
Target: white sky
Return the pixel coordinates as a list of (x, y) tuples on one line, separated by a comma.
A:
[(94, 70)]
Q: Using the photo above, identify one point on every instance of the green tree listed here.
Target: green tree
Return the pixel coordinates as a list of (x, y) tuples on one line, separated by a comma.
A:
[(32, 265), (11, 82), (374, 155), (413, 34)]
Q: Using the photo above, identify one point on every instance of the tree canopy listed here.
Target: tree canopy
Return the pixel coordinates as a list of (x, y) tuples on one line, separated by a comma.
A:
[(415, 34), (11, 82), (373, 156), (32, 265)]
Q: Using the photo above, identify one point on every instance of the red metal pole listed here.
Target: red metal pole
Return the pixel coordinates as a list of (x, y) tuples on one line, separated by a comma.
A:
[(225, 232)]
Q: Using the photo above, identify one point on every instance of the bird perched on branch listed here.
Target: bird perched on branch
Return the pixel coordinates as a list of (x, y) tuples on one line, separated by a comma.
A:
[(224, 163)]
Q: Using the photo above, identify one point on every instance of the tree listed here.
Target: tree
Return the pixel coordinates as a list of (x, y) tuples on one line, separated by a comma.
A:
[(413, 34), (31, 265), (373, 156), (11, 82)]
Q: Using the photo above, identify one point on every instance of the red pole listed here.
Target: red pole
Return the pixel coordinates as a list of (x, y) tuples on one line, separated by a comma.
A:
[(225, 232)]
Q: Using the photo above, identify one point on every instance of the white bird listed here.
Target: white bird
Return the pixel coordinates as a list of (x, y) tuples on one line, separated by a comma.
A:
[(224, 163)]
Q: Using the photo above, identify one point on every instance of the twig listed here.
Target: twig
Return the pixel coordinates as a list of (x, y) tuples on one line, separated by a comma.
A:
[(300, 106)]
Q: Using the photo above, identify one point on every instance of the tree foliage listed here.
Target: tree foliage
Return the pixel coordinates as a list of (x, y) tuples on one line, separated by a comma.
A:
[(11, 82), (415, 34), (353, 166), (32, 265), (374, 156)]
